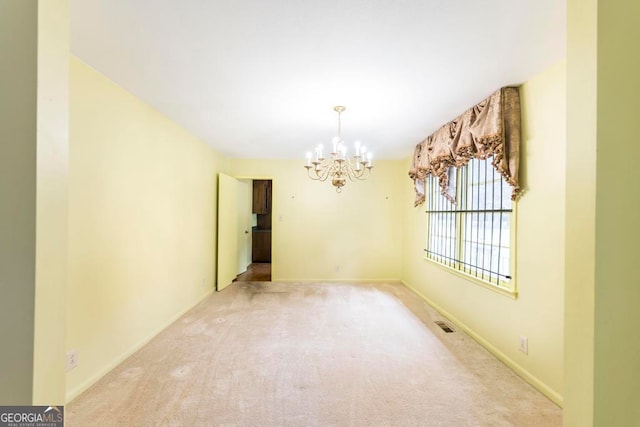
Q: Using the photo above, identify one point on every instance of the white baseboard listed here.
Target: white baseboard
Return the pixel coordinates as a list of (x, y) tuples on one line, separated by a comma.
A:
[(554, 396), (357, 281), (72, 394)]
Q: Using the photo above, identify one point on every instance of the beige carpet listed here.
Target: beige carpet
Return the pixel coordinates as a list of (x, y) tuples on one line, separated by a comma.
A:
[(271, 354)]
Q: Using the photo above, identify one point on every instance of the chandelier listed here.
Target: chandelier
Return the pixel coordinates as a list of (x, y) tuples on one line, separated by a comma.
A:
[(339, 166)]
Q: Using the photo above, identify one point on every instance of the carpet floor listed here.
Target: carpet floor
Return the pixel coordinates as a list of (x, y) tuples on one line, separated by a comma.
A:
[(274, 354)]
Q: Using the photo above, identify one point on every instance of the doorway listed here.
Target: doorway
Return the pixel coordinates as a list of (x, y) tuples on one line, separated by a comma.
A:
[(237, 226), (261, 200)]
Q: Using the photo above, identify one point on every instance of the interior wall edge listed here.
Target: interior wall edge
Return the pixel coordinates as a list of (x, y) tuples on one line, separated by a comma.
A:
[(541, 386)]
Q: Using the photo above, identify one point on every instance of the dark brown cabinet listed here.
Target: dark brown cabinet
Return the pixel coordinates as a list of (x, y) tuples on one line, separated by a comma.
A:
[(261, 233), (261, 245), (261, 196)]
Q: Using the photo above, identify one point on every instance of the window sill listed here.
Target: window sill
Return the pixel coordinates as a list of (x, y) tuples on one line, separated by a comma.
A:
[(508, 292)]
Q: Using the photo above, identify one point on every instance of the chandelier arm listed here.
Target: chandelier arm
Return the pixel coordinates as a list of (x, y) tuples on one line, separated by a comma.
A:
[(320, 172), (355, 174), (364, 173)]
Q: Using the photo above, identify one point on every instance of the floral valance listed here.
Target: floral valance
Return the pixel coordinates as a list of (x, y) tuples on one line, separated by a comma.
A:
[(488, 129)]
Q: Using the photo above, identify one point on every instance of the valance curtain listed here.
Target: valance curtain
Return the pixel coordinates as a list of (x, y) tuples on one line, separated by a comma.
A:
[(488, 129)]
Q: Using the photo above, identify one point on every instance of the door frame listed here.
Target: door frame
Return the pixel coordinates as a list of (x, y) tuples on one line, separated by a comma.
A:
[(274, 215)]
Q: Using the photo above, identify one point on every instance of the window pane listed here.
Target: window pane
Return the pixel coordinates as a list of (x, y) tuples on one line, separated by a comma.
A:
[(474, 234)]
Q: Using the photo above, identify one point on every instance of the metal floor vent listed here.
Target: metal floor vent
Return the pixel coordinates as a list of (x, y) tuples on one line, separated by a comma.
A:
[(444, 326)]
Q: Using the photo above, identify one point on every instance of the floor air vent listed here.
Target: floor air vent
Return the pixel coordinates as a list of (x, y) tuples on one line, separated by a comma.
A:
[(445, 326)]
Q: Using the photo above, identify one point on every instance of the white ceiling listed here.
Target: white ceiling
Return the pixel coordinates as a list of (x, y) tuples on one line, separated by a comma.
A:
[(259, 78)]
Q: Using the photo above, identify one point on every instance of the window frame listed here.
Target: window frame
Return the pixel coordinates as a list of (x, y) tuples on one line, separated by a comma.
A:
[(457, 267)]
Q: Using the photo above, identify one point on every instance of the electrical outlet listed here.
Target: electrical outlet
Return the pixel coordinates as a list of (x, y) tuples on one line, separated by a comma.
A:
[(524, 345), (72, 359), (202, 283), (337, 268)]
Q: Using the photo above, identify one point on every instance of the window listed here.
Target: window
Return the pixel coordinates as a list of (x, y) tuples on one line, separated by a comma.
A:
[(474, 235)]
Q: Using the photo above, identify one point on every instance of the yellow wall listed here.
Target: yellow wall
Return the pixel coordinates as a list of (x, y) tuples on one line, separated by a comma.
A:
[(602, 285), (319, 234), (142, 199), (52, 202), (496, 320), (18, 79), (34, 45), (580, 212), (617, 213)]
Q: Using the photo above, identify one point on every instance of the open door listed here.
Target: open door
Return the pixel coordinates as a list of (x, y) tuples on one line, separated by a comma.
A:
[(244, 224), (234, 229), (227, 230)]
